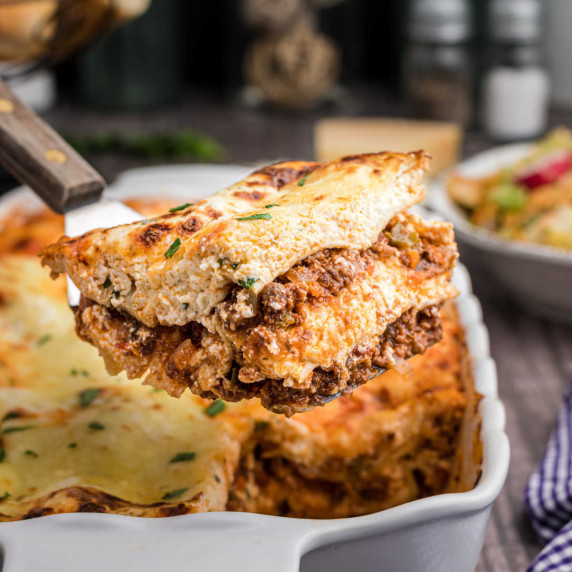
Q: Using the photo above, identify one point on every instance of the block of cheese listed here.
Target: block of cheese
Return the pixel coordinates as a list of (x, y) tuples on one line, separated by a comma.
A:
[(336, 137)]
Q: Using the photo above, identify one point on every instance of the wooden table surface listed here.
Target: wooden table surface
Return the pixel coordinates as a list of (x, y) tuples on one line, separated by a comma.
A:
[(534, 357)]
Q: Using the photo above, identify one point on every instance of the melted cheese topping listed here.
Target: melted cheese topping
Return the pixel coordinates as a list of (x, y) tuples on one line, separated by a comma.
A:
[(121, 442)]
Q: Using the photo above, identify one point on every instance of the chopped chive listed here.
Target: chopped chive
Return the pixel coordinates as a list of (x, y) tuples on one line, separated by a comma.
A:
[(185, 305), (215, 408), (87, 396), (107, 282), (257, 216), (74, 372), (72, 446), (2, 454), (96, 426), (247, 284), (217, 478), (174, 494), (302, 181), (180, 457), (16, 429), (31, 453), (173, 248), (5, 496), (233, 265), (45, 338), (11, 415), (180, 207), (270, 206)]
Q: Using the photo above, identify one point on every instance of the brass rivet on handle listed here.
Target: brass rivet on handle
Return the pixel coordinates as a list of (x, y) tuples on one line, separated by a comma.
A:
[(6, 106), (56, 156)]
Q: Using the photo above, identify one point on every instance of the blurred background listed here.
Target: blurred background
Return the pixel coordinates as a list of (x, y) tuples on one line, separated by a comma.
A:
[(250, 81)]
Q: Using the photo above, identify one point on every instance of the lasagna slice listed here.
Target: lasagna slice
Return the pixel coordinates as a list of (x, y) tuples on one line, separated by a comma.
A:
[(295, 285)]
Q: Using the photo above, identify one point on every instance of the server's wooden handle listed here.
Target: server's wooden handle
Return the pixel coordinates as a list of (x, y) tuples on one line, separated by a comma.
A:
[(38, 157)]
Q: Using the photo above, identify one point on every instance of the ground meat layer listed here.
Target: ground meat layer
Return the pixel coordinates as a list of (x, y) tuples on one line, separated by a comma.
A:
[(173, 354), (226, 359)]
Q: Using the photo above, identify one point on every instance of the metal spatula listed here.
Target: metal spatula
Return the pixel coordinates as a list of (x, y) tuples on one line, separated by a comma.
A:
[(38, 157)]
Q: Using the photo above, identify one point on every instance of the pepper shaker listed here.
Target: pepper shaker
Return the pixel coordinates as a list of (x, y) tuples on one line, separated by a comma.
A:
[(515, 89), (438, 66)]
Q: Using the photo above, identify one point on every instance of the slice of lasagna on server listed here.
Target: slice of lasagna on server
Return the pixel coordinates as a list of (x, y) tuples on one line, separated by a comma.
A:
[(295, 285)]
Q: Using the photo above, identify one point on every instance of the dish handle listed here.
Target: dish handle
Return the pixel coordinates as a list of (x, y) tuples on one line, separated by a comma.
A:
[(215, 542)]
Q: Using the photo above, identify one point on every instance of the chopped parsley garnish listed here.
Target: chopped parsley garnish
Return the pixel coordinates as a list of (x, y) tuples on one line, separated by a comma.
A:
[(30, 453), (45, 338), (5, 496), (82, 372), (2, 454), (96, 426), (180, 207), (11, 415), (257, 216), (270, 206), (247, 284), (215, 408), (185, 305), (87, 396), (302, 181), (72, 446), (107, 282), (16, 429), (217, 478), (180, 457), (174, 494), (233, 265), (173, 248), (116, 293)]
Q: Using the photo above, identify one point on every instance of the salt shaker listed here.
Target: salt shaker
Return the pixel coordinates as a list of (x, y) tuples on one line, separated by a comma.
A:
[(515, 89), (438, 65)]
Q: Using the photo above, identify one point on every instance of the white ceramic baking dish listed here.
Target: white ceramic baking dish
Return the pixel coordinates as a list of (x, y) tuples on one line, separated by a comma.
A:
[(442, 533)]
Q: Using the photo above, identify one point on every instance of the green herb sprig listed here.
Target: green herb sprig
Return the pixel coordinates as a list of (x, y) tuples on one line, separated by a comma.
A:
[(257, 216), (248, 283), (173, 248), (215, 408), (185, 456), (174, 494), (88, 396)]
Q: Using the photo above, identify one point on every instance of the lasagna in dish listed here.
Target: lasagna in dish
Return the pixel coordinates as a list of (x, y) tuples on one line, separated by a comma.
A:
[(295, 285), (75, 439)]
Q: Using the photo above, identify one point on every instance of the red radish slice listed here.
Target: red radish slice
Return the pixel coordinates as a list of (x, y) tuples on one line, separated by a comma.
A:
[(546, 170)]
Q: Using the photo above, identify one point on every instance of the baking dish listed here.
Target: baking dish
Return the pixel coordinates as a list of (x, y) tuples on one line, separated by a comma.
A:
[(443, 532)]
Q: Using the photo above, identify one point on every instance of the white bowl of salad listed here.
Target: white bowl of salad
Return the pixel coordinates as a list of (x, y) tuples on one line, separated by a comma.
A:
[(512, 211)]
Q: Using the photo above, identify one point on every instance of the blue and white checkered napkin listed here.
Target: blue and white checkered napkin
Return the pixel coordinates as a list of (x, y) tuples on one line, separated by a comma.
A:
[(548, 497)]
